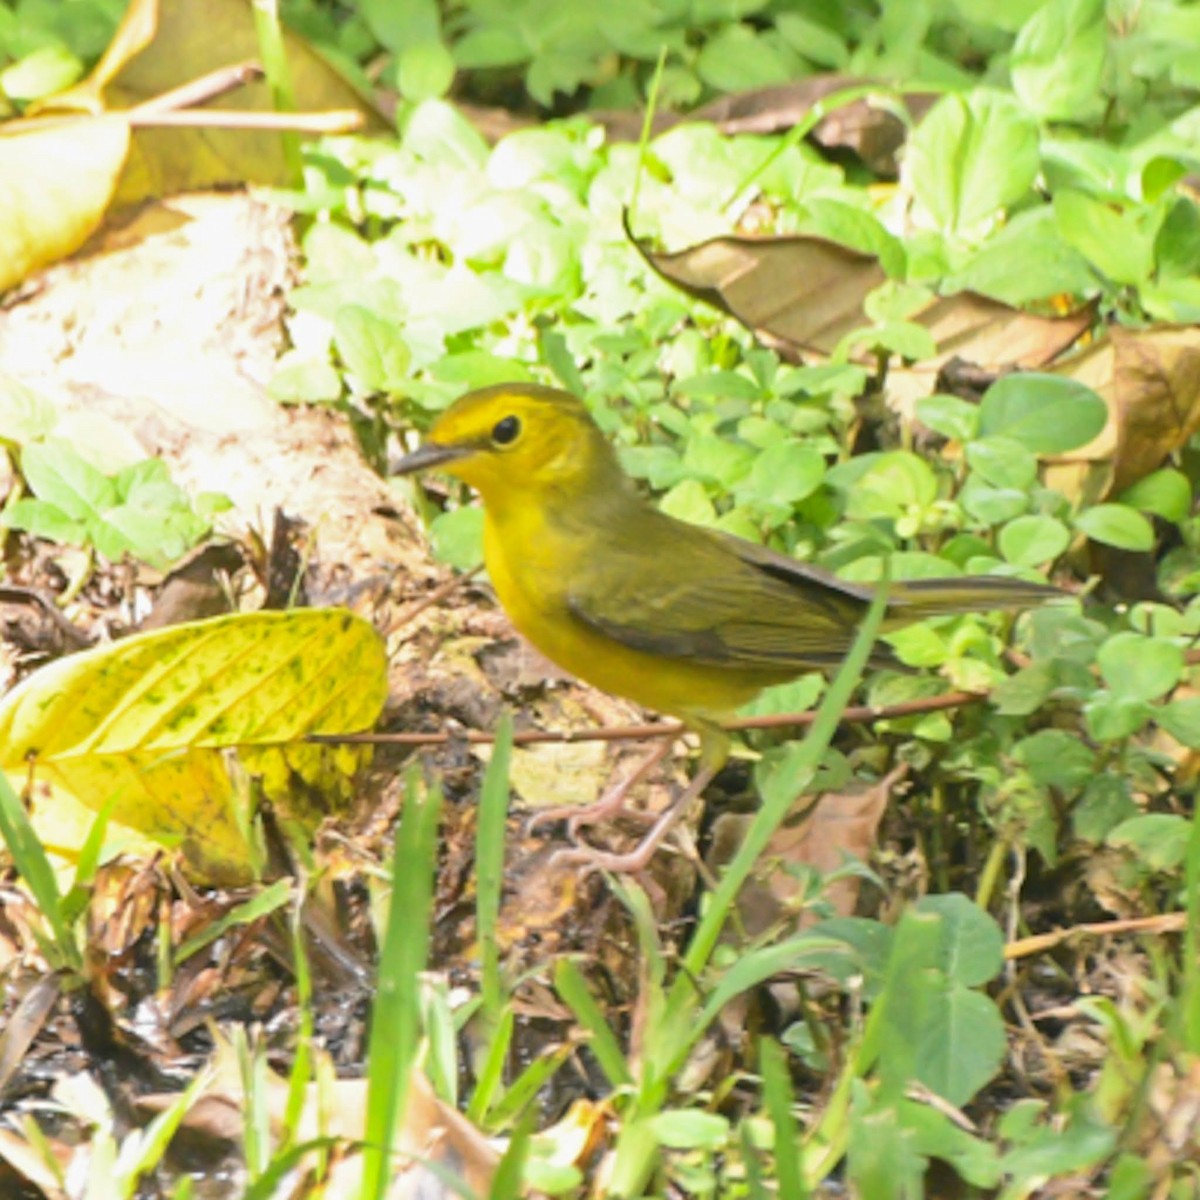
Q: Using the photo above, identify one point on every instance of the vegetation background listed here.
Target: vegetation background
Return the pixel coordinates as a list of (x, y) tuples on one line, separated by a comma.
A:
[(910, 283)]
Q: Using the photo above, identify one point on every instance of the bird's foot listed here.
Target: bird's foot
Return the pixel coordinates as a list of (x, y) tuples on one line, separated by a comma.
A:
[(637, 859), (610, 804)]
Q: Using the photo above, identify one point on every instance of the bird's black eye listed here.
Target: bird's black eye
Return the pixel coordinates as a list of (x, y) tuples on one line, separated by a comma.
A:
[(505, 431)]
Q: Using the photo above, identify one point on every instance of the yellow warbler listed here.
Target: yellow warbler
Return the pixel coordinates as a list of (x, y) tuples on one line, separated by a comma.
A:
[(686, 620)]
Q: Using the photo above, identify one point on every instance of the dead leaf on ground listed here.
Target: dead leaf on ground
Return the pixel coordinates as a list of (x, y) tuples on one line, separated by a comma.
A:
[(807, 294), (63, 175), (870, 126), (435, 1138), (839, 826), (1150, 379)]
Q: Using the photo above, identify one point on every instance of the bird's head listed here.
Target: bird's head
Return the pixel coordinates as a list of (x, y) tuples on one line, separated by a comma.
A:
[(514, 439)]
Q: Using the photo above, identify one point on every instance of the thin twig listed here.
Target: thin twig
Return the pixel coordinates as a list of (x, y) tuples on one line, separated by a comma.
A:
[(659, 729), (1173, 922)]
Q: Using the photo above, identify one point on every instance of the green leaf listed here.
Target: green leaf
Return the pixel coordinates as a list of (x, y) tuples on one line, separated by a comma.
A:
[(971, 944), (1058, 60), (1004, 463), (457, 537), (1112, 718), (961, 1045), (893, 483), (300, 379), (1056, 758), (1117, 242), (972, 157), (1032, 540), (424, 71), (690, 1129), (1137, 667), (1165, 493), (56, 473), (951, 416), (784, 473), (1045, 413), (1159, 840), (374, 352), (1116, 525), (1181, 719), (1028, 260)]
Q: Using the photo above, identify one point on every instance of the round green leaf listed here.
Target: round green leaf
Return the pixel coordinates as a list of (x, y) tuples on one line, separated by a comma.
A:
[(424, 71), (785, 473), (1138, 667), (950, 416), (457, 537), (1116, 525), (1045, 413), (1166, 493), (1032, 540)]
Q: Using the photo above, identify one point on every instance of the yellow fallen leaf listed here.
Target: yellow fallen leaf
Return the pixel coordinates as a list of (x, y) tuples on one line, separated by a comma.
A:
[(56, 181), (151, 719)]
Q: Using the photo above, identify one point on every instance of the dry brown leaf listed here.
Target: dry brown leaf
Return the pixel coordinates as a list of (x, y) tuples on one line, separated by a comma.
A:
[(839, 825), (162, 44), (434, 1136), (1150, 379), (805, 292)]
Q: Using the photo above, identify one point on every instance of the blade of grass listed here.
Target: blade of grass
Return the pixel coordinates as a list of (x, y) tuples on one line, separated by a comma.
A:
[(489, 868), (777, 1094), (570, 985), (34, 867), (395, 1018), (490, 1080)]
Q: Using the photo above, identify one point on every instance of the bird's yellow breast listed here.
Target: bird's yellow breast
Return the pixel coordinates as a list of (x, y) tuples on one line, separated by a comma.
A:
[(531, 561)]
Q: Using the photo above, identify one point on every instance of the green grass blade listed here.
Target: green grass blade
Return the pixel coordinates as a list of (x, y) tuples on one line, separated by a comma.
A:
[(395, 1019), (777, 1093), (489, 867), (34, 867), (570, 985)]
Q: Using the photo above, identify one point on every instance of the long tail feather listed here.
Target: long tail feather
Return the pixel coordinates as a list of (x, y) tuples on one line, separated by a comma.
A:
[(917, 598)]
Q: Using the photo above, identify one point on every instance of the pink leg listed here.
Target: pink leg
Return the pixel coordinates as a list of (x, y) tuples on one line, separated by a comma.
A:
[(610, 804), (639, 857)]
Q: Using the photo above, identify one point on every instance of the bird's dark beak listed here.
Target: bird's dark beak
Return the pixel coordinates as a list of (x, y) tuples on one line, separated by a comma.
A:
[(427, 457)]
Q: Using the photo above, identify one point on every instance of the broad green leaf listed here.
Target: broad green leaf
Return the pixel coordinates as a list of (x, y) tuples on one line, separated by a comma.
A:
[(1032, 540), (690, 1129), (1158, 839), (1181, 719), (1003, 462), (1112, 718), (1116, 525), (971, 158), (1165, 493), (1118, 242), (893, 483), (373, 350), (147, 720), (1056, 758), (1137, 667), (951, 416), (1045, 413), (1058, 60), (961, 1045), (457, 537), (972, 946), (1028, 260), (785, 473)]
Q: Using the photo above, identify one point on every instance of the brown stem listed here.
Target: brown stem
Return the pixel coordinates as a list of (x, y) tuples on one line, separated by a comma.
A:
[(659, 729)]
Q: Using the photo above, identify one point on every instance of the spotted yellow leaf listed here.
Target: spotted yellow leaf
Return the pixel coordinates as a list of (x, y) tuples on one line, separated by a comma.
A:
[(153, 721)]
